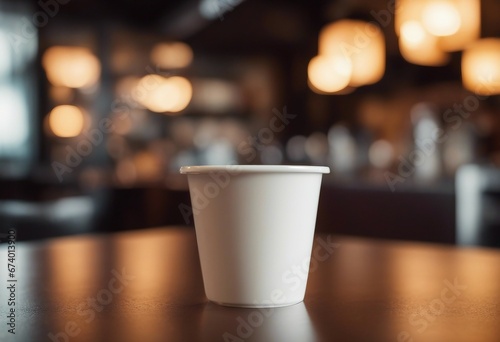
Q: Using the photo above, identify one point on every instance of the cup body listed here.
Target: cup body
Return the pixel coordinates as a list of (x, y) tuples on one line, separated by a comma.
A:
[(255, 229)]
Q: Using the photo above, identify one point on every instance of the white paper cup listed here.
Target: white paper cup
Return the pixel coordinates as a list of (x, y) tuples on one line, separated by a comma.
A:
[(255, 228)]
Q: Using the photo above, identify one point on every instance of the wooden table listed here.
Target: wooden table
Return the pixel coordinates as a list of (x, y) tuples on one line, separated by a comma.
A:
[(147, 286)]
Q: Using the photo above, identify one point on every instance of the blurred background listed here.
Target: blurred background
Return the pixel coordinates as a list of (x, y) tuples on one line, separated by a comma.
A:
[(102, 102)]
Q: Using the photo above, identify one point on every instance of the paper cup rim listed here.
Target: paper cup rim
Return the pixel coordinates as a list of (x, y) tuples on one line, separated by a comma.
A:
[(201, 169)]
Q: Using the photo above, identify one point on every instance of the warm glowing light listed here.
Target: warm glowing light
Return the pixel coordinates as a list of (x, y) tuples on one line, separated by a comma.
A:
[(329, 74), (73, 67), (161, 95), (413, 33), (481, 67), (66, 121), (441, 18), (453, 23), (406, 11), (184, 93), (172, 55), (419, 47), (362, 43), (470, 26), (416, 44)]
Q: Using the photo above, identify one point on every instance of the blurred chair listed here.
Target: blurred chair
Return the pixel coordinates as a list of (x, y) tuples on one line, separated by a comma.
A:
[(478, 205)]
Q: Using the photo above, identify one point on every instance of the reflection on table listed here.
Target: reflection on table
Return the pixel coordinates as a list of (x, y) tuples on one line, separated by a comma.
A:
[(147, 285)]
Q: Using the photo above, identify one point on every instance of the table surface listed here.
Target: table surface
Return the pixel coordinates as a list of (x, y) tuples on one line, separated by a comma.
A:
[(147, 286)]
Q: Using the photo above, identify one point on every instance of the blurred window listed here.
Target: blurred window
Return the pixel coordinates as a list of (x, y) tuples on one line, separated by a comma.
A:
[(18, 47)]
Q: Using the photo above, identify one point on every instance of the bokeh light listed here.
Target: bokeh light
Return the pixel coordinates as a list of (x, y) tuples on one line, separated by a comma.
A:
[(174, 55), (329, 74), (163, 95), (441, 18), (481, 67), (66, 121), (450, 25), (360, 42), (417, 46), (413, 33), (73, 67)]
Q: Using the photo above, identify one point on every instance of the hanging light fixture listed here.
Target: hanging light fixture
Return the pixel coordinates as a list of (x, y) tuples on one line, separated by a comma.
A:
[(428, 29), (460, 22), (417, 46), (329, 74), (361, 43), (481, 67), (441, 18)]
